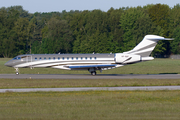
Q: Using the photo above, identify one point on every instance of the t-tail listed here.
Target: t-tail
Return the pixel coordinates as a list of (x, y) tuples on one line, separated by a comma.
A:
[(142, 51), (147, 45)]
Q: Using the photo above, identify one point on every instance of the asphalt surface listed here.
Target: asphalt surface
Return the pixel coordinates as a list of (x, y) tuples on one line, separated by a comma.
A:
[(91, 89), (88, 76)]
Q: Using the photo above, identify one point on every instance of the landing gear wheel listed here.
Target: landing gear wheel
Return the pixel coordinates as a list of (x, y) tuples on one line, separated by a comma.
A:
[(93, 73), (17, 71)]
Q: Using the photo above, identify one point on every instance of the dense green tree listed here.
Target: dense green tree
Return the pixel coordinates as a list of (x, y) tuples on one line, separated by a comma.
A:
[(160, 14), (93, 33), (57, 37), (128, 23), (8, 18), (175, 28), (175, 45), (174, 19), (31, 31), (21, 37), (116, 30), (22, 13)]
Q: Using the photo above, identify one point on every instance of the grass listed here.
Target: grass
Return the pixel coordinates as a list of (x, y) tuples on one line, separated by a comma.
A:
[(96, 105), (156, 66), (55, 83)]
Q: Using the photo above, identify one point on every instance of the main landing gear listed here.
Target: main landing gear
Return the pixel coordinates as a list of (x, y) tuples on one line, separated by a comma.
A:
[(93, 73), (17, 71)]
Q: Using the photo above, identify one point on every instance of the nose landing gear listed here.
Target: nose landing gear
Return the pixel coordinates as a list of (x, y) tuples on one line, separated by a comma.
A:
[(17, 71)]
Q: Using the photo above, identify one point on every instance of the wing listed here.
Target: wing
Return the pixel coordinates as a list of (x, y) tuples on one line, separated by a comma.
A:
[(86, 67)]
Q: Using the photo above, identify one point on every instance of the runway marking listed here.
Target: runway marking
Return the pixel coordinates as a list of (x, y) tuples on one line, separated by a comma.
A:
[(148, 88)]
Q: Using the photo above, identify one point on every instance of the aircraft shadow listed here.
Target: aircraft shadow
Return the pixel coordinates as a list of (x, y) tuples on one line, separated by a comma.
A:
[(168, 73)]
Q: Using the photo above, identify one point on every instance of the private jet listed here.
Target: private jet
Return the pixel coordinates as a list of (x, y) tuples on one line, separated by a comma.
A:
[(91, 62)]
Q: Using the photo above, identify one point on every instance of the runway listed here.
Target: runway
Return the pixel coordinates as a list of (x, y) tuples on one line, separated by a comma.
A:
[(149, 88), (88, 76)]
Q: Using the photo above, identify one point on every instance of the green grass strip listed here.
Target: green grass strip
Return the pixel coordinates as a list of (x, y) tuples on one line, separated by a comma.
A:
[(98, 105), (60, 83)]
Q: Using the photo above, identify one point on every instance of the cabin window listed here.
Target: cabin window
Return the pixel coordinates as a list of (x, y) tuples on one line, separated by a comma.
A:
[(58, 58), (44, 58), (49, 58), (86, 58), (40, 58), (76, 58), (72, 58), (35, 58), (63, 58), (81, 58), (19, 58), (67, 58), (95, 58), (54, 58), (90, 58)]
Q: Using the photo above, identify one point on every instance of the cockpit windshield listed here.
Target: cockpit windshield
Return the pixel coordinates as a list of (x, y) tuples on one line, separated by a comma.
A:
[(17, 58)]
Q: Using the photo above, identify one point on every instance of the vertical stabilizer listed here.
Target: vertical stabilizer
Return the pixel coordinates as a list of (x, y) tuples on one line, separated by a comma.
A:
[(147, 45)]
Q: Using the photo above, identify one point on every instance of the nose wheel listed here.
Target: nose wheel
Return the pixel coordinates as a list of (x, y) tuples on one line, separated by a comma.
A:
[(17, 71)]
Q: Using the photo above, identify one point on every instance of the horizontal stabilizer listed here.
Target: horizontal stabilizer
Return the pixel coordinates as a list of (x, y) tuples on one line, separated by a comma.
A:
[(160, 38)]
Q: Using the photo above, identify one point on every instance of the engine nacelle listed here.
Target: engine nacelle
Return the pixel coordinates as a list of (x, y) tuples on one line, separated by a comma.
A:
[(127, 58)]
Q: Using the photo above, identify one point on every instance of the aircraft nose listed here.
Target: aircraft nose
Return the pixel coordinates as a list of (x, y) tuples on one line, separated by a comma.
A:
[(9, 63)]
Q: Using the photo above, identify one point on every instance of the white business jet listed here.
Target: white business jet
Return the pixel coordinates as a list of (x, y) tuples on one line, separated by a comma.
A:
[(90, 62)]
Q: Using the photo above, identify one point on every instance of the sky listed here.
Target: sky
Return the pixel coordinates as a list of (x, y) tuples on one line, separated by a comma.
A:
[(33, 6)]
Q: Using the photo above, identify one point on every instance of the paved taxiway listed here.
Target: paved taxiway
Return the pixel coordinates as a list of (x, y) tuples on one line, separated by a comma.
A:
[(88, 76), (91, 89)]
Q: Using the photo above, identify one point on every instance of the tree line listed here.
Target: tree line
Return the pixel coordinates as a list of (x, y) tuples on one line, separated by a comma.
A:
[(116, 30)]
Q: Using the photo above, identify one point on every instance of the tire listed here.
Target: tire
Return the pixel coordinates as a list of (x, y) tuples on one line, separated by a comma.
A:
[(93, 73)]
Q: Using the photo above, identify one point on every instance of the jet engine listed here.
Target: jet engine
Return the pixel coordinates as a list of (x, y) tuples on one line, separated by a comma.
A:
[(126, 58)]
